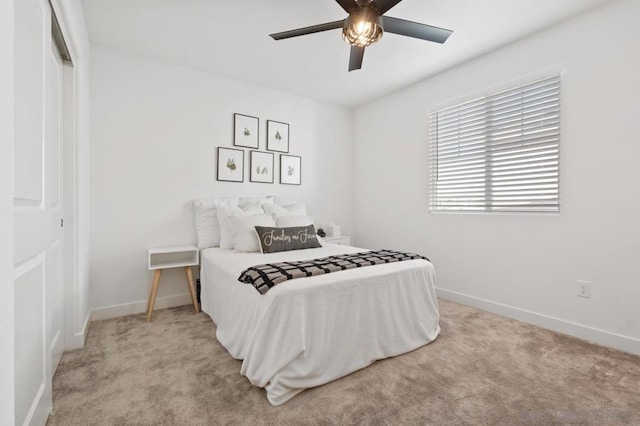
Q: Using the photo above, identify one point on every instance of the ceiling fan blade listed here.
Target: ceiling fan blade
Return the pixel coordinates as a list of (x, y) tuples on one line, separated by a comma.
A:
[(382, 6), (348, 5), (355, 58), (415, 30), (308, 30)]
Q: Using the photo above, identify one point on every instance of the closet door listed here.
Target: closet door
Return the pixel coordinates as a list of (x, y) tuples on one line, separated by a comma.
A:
[(54, 150), (38, 246)]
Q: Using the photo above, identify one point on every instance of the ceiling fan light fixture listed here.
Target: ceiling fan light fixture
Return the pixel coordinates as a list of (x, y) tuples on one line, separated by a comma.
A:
[(362, 28), (365, 24)]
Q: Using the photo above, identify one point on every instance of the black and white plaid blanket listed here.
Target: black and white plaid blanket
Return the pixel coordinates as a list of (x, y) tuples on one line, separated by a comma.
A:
[(264, 277)]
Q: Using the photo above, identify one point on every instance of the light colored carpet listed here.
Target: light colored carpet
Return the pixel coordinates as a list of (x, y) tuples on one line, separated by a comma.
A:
[(483, 370)]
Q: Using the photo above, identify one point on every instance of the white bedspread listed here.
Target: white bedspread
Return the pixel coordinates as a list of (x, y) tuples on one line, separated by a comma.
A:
[(307, 332)]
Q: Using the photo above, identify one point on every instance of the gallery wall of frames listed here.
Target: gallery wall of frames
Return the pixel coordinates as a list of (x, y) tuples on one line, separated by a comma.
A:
[(260, 163)]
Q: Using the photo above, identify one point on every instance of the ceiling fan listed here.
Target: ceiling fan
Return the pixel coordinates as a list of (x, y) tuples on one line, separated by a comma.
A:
[(365, 24)]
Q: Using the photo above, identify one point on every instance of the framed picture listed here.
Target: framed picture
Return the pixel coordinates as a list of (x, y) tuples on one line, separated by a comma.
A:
[(245, 131), (230, 164), (277, 136), (261, 167), (290, 169)]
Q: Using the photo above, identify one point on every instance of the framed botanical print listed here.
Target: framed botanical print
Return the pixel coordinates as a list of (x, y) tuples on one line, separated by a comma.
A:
[(290, 169), (261, 166), (245, 131), (230, 165), (277, 136)]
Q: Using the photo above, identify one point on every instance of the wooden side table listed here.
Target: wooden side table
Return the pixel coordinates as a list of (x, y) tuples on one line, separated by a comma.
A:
[(172, 257)]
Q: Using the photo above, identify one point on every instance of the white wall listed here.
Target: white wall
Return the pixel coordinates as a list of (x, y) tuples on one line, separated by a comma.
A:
[(154, 132), (526, 266), (7, 334)]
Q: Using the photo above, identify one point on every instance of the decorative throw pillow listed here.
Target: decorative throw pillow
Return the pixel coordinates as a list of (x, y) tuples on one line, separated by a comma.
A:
[(276, 211), (289, 221), (226, 235), (243, 231), (284, 239), (207, 225)]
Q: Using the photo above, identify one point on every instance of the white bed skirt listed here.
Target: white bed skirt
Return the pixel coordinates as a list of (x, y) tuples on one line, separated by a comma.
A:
[(308, 332)]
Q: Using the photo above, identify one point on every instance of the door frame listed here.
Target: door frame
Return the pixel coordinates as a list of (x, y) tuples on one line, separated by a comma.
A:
[(75, 191), (58, 112), (7, 334)]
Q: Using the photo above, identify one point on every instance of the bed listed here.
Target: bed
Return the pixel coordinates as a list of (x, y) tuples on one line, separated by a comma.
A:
[(309, 331)]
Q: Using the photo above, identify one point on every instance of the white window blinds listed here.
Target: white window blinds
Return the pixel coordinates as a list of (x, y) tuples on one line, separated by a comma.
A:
[(499, 153)]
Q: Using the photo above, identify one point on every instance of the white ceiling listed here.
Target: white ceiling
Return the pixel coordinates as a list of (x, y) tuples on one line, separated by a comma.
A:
[(230, 38)]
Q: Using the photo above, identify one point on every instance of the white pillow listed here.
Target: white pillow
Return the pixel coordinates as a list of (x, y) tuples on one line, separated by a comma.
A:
[(245, 201), (284, 202), (253, 207), (243, 230), (207, 225), (226, 235), (288, 221), (276, 211)]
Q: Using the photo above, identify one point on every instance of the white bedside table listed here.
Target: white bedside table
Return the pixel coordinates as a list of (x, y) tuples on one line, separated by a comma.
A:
[(172, 257), (343, 240)]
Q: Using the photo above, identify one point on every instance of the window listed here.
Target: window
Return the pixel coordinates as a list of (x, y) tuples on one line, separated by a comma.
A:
[(498, 153)]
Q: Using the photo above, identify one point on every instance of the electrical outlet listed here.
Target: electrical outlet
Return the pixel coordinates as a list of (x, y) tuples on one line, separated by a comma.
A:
[(584, 288)]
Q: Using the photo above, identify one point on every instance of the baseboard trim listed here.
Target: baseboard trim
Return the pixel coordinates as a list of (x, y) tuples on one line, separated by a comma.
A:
[(78, 339), (594, 335), (39, 411), (139, 307)]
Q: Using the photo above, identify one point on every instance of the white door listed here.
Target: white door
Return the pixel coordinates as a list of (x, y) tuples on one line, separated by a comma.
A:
[(55, 284), (37, 208)]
